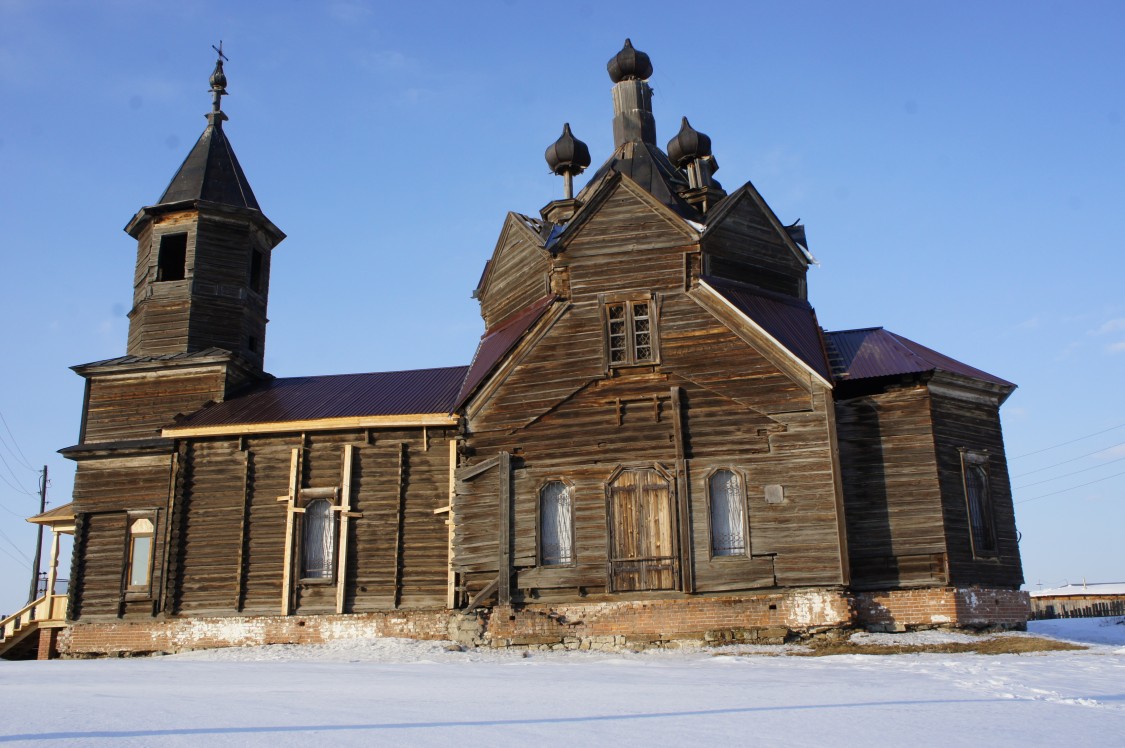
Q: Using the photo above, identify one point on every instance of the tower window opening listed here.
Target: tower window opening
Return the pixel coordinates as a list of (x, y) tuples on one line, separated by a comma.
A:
[(256, 271), (171, 261)]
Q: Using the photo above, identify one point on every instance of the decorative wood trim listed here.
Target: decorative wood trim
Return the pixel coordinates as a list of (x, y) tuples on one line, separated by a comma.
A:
[(319, 424)]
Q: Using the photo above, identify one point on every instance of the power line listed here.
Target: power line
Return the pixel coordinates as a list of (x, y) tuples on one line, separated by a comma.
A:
[(1063, 444), (1073, 459), (26, 462), (17, 488), (1067, 475), (1072, 488), (13, 474), (16, 547), (9, 555)]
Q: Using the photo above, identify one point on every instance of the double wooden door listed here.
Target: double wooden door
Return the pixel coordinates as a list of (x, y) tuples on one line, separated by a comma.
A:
[(643, 554)]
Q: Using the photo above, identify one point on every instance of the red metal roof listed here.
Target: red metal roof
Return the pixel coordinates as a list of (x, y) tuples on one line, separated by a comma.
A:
[(875, 352), (497, 342), (390, 393), (790, 321)]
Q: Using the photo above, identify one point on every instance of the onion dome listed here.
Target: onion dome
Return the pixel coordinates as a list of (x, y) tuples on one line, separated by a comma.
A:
[(568, 154), (629, 64), (218, 77), (688, 145)]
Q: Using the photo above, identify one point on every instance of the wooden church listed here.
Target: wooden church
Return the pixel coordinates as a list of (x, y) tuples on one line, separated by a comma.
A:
[(654, 443)]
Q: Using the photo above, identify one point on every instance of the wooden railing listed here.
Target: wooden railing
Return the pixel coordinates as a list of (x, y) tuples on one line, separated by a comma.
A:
[(49, 609)]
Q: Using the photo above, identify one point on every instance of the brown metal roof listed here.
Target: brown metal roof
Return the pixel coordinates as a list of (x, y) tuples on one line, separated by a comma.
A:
[(389, 393), (790, 321), (497, 342), (875, 352)]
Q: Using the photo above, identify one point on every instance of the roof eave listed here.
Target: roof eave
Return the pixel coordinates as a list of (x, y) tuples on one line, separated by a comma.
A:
[(143, 216)]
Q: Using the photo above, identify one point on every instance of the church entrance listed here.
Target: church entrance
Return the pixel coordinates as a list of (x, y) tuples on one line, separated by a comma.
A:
[(642, 531)]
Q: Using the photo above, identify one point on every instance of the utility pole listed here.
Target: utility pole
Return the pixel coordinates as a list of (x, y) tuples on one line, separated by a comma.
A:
[(39, 540)]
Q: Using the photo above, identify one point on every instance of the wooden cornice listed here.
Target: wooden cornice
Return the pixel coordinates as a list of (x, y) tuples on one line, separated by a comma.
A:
[(416, 420)]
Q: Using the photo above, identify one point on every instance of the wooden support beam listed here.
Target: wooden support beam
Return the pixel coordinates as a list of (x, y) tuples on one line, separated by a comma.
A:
[(345, 515), (291, 510), (243, 536), (400, 522), (483, 595), (504, 591), (472, 471), (683, 495), (450, 520)]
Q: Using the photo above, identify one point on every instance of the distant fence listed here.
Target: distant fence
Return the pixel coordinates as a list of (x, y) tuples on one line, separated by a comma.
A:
[(1093, 610)]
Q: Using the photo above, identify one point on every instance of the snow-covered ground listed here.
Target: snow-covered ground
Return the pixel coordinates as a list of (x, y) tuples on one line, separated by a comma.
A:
[(398, 692)]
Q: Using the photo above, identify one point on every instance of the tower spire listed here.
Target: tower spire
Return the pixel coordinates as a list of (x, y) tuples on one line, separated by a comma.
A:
[(218, 87)]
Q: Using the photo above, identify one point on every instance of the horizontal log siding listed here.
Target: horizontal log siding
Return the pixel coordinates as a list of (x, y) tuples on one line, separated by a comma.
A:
[(517, 276), (976, 426), (137, 407), (745, 235), (208, 580), (556, 411), (892, 496), (104, 491)]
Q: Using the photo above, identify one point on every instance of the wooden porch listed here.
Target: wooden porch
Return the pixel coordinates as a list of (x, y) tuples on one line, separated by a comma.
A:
[(30, 632)]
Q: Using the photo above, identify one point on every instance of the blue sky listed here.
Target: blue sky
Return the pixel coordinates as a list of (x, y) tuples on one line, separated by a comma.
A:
[(958, 166)]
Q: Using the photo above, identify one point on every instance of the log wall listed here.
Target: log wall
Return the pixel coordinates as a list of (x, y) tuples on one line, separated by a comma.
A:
[(564, 414), (892, 496)]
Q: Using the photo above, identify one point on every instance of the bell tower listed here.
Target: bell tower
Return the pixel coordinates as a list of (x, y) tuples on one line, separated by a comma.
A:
[(203, 255)]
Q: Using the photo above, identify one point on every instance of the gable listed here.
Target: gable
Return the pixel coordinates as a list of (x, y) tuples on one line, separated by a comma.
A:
[(745, 241), (516, 274), (622, 216)]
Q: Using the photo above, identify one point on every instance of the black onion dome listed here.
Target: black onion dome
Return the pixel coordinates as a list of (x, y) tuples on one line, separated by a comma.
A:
[(688, 145), (568, 154), (218, 77), (629, 64)]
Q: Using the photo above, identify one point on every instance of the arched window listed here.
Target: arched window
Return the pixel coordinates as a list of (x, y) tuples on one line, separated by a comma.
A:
[(319, 541), (728, 518), (140, 552), (556, 524), (978, 501)]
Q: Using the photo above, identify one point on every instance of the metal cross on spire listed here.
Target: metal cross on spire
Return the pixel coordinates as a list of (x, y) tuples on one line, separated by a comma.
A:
[(218, 80)]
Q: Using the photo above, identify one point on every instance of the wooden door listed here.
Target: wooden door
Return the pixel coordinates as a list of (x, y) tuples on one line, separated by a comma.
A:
[(642, 532)]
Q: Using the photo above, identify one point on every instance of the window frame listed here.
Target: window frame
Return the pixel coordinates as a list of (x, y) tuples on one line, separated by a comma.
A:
[(979, 459), (334, 508), (629, 302), (133, 518), (744, 503), (539, 525)]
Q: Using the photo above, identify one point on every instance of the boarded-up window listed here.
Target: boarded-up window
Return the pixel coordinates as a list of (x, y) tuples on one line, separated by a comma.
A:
[(171, 260), (728, 518), (140, 553), (318, 544), (978, 502), (630, 332), (556, 524)]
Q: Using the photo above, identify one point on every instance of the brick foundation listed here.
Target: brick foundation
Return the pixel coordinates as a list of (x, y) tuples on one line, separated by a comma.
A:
[(181, 634), (900, 610), (635, 624)]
